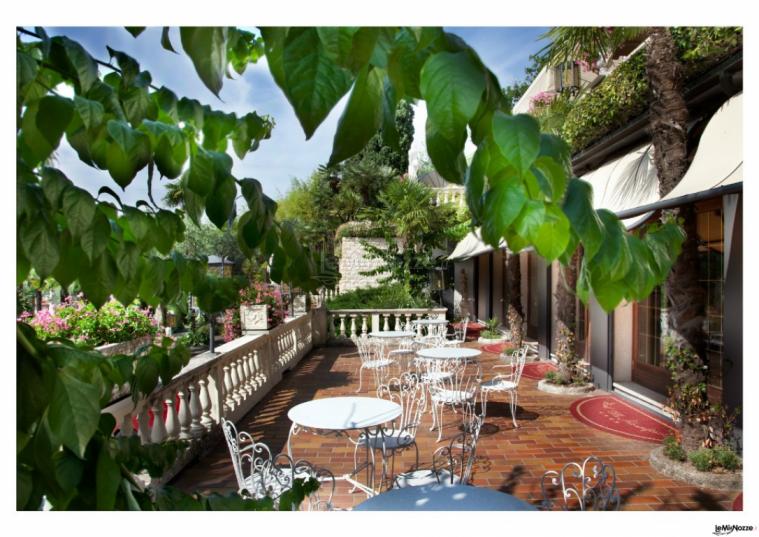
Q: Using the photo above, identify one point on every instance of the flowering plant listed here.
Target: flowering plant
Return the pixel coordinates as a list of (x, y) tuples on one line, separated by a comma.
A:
[(265, 294), (541, 99), (79, 321), (232, 329)]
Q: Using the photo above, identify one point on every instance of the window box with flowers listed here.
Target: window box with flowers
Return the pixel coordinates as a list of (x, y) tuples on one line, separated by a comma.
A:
[(261, 307)]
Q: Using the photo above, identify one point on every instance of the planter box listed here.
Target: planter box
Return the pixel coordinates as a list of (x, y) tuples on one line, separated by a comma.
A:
[(488, 341), (569, 389), (683, 471), (254, 317)]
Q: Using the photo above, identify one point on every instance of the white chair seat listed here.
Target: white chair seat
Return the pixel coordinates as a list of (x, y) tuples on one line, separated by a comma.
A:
[(421, 478), (498, 385), (452, 396), (390, 440), (451, 343), (396, 352), (377, 364), (436, 375)]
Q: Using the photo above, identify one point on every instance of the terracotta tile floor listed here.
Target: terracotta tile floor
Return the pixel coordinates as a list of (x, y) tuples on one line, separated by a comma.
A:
[(510, 460)]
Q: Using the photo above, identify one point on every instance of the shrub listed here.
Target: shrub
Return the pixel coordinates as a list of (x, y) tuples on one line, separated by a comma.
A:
[(491, 329), (726, 458), (673, 449), (79, 321), (384, 297), (703, 459)]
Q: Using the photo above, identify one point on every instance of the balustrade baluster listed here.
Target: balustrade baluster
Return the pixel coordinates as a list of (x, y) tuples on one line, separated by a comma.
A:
[(228, 387), (196, 411), (172, 423), (143, 424), (260, 378), (126, 428), (353, 325), (364, 324), (247, 362), (184, 415), (342, 325), (241, 392), (205, 405), (158, 431)]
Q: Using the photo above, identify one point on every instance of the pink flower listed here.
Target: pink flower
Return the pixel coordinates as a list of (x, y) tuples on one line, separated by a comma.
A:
[(542, 99)]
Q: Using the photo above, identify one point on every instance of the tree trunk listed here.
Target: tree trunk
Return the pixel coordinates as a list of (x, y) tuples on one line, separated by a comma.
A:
[(566, 306), (515, 313), (668, 123)]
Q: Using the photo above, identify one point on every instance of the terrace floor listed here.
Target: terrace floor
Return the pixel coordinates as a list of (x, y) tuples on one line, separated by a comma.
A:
[(510, 460)]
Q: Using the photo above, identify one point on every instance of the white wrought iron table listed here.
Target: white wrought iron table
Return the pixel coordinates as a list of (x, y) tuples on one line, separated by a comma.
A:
[(448, 353), (444, 498), (392, 334), (340, 415)]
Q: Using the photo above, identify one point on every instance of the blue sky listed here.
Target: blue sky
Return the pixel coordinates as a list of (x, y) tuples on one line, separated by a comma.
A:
[(287, 154)]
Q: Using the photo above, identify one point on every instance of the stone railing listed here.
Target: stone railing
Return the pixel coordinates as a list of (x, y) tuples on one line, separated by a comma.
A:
[(449, 194), (343, 324), (215, 386)]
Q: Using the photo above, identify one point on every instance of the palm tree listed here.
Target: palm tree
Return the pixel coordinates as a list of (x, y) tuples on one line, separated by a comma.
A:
[(668, 116), (514, 313), (174, 196)]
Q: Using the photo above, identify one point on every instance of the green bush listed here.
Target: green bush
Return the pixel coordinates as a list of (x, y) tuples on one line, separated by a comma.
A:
[(384, 297), (726, 458), (673, 449), (624, 94), (703, 459)]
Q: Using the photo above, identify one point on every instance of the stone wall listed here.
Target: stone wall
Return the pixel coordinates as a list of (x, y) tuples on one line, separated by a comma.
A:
[(354, 260)]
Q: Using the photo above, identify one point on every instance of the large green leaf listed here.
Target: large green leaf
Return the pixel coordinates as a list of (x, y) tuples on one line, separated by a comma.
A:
[(404, 64), (107, 480), (71, 57), (552, 236), (518, 139), (128, 152), (578, 206), (79, 209), (41, 245), (205, 168), (90, 112), (313, 83), (503, 203), (100, 279), (54, 183), (552, 178), (447, 156), (613, 259), (74, 411), (362, 116), (169, 146), (220, 204), (95, 238), (207, 48), (337, 42), (42, 126)]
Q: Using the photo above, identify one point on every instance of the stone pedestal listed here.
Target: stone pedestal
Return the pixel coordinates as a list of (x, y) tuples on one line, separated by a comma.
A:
[(254, 317)]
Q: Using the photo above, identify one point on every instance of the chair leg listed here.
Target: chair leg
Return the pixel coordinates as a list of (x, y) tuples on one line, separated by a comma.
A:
[(440, 423), (484, 403), (360, 378), (513, 395)]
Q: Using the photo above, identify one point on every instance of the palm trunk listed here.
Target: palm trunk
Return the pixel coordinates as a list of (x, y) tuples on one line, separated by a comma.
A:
[(566, 352), (668, 119), (515, 313)]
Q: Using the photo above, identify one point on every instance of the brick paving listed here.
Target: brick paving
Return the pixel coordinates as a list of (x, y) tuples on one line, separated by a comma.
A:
[(510, 460)]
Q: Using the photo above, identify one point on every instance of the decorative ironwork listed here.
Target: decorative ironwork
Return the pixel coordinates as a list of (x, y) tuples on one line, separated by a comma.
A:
[(507, 382), (590, 486)]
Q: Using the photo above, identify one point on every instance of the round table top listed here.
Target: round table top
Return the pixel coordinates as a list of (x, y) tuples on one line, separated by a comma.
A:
[(344, 413), (448, 353), (429, 321), (392, 334), (444, 498)]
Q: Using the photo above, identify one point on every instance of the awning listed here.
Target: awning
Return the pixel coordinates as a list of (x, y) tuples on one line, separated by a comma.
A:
[(472, 246)]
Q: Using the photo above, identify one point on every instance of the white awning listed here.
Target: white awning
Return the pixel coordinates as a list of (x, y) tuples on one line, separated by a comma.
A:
[(471, 246), (719, 158)]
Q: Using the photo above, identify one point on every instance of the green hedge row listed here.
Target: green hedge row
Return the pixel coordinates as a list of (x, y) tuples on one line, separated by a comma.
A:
[(624, 94), (384, 297)]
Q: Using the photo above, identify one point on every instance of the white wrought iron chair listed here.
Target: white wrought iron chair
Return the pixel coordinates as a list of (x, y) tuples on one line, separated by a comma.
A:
[(506, 383), (408, 392), (587, 486), (454, 383), (403, 353), (451, 464), (259, 473), (459, 335), (370, 352)]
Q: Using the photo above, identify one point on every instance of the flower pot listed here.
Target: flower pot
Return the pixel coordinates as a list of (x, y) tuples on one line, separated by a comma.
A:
[(254, 317)]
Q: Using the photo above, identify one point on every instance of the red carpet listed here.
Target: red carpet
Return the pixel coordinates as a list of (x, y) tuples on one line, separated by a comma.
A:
[(538, 370), (738, 503), (497, 348), (616, 416)]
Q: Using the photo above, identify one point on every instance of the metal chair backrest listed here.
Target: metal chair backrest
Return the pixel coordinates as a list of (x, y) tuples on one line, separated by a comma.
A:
[(459, 456), (367, 348), (408, 392), (245, 452), (463, 378), (516, 360), (587, 486), (460, 330)]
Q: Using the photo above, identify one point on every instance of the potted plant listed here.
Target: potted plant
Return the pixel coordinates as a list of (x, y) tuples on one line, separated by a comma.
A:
[(261, 307), (491, 333)]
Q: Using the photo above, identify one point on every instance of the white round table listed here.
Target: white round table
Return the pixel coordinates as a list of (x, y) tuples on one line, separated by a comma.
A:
[(392, 334), (444, 498), (448, 353), (342, 414)]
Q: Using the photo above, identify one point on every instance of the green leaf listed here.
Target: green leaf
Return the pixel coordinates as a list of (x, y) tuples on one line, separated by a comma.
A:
[(40, 243), (552, 236), (68, 469), (207, 48), (54, 183), (42, 126), (146, 374), (166, 39), (72, 259), (447, 157), (530, 219), (337, 42), (166, 100), (128, 152), (249, 131), (136, 103), (518, 139), (74, 411), (134, 30), (73, 59), (89, 111), (128, 260), (614, 257), (130, 68), (26, 70), (205, 168), (552, 178), (99, 280), (79, 209), (475, 183), (95, 238), (503, 203), (140, 225), (578, 206), (404, 65), (452, 85), (313, 83), (169, 146), (362, 115), (220, 204), (107, 480)]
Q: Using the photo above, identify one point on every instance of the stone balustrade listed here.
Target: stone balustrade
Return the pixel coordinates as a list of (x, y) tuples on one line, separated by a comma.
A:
[(351, 323), (451, 194), (215, 386)]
